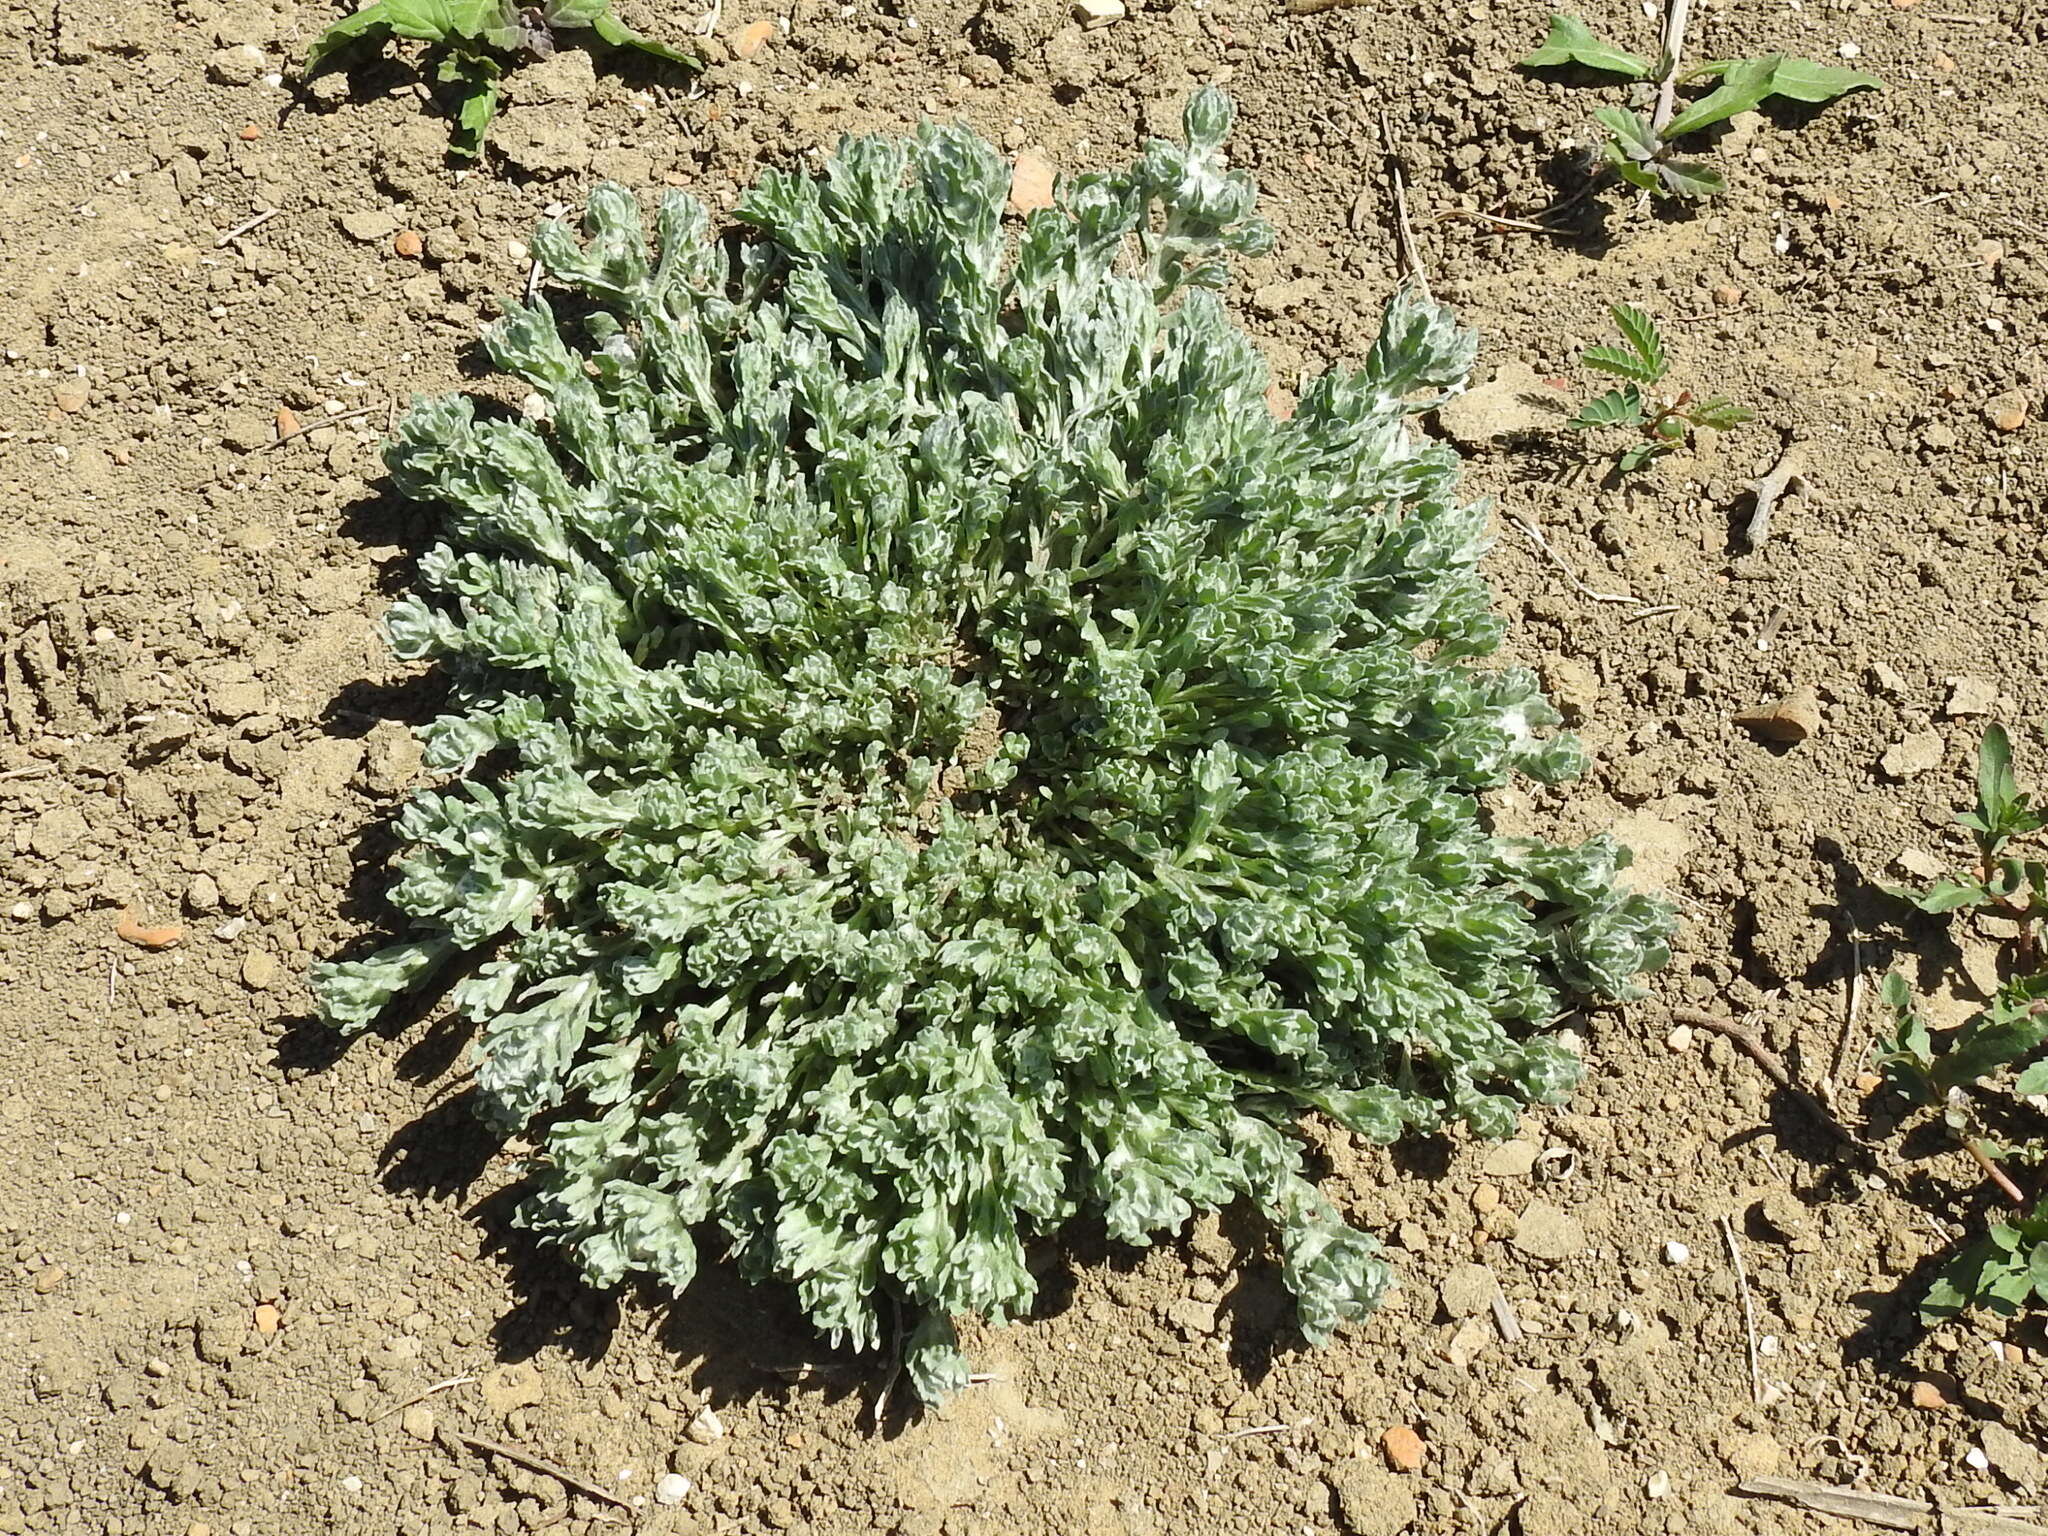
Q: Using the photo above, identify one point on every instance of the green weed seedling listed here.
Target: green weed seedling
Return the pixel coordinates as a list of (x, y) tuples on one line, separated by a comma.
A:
[(1994, 1064), (469, 42), (1662, 422), (1638, 148)]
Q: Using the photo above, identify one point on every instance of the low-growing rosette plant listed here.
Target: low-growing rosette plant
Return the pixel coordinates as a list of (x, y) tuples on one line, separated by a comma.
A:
[(933, 758)]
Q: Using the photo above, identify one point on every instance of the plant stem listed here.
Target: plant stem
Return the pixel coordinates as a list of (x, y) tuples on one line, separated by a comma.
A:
[(1674, 45), (1997, 1175)]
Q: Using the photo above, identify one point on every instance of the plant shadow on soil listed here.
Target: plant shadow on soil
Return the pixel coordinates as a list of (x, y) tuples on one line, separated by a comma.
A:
[(744, 1339)]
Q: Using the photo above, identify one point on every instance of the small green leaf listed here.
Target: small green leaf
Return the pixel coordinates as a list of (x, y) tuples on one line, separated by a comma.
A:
[(2032, 1081), (1617, 408), (1996, 786), (1949, 896), (1803, 80), (1688, 178), (1571, 41), (372, 22), (1742, 89), (474, 79), (1615, 360), (615, 32), (1671, 428), (1632, 459), (1720, 414), (1640, 331), (1630, 133)]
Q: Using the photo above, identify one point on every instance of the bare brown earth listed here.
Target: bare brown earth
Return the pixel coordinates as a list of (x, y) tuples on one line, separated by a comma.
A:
[(229, 1251)]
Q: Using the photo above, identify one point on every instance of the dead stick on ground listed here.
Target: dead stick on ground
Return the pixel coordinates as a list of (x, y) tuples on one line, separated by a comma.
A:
[(1756, 1374), (422, 1396), (1570, 575), (252, 222), (1885, 1509), (1404, 233), (1774, 1069), (322, 421), (1854, 1011), (1788, 474), (1504, 1318), (543, 1466)]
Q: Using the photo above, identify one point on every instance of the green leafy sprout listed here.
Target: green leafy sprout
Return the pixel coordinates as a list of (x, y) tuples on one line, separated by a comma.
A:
[(1661, 422), (931, 758), (468, 41), (1640, 151), (1997, 1056)]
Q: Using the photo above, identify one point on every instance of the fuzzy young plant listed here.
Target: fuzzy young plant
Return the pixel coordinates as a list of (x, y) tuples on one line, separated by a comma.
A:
[(468, 42), (933, 758), (1660, 421), (1988, 1079), (1640, 149)]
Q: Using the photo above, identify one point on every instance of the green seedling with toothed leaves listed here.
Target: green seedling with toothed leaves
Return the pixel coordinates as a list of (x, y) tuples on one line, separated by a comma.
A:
[(1993, 1068), (1661, 422), (469, 43), (1638, 148)]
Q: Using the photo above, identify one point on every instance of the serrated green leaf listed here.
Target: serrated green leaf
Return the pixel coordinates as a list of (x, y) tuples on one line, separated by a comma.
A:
[(1571, 41)]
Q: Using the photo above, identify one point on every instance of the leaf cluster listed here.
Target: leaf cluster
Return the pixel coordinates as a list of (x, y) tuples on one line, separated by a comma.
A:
[(1999, 1055), (931, 757), (1641, 153), (468, 41), (1662, 423)]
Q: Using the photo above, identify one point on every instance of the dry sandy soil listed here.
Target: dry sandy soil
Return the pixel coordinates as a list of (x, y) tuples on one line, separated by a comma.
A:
[(230, 1251)]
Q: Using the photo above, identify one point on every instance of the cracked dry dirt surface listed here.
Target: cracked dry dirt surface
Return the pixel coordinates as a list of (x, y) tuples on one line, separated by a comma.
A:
[(231, 1252)]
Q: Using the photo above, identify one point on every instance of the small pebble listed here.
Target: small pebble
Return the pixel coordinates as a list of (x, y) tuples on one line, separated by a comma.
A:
[(2006, 412), (418, 1421), (408, 243), (1676, 1253), (1927, 1395), (705, 1426), (754, 36), (259, 971), (1031, 178), (268, 1319), (1403, 1447), (672, 1489), (1680, 1038), (49, 1278)]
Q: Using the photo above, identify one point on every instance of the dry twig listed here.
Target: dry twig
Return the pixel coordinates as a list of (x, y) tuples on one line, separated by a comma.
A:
[(254, 221), (1886, 1509), (1773, 1067), (1756, 1373), (422, 1395), (322, 421), (1570, 575), (1788, 474), (543, 1466), (1404, 233)]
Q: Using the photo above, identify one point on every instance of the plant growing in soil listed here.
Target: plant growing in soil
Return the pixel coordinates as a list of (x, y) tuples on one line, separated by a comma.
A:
[(1661, 422), (1639, 148), (932, 758), (1992, 1071), (468, 43)]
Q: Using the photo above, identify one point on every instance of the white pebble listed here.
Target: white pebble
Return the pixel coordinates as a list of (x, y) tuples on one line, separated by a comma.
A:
[(1659, 1484), (705, 1426), (1850, 51), (672, 1489), (1676, 1253), (1680, 1039), (1977, 1459)]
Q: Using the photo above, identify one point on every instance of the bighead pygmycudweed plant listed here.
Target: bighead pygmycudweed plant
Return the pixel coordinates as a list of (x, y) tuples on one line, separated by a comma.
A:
[(932, 758)]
